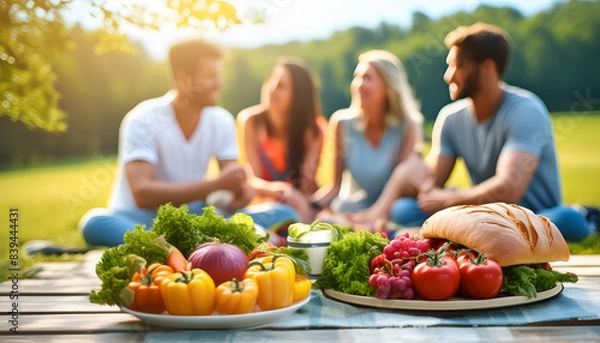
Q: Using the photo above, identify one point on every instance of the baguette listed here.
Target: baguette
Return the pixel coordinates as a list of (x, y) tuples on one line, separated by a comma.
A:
[(508, 234)]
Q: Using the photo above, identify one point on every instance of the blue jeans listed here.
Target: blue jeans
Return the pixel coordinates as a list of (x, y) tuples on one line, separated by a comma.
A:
[(103, 227), (571, 224)]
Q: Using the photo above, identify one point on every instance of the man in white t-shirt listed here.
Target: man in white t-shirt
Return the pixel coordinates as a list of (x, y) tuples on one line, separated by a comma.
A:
[(165, 147)]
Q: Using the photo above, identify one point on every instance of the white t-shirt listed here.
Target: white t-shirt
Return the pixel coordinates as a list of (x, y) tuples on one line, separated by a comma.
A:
[(150, 132)]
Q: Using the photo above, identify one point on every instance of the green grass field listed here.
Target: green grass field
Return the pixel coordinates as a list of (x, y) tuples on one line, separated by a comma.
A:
[(51, 200)]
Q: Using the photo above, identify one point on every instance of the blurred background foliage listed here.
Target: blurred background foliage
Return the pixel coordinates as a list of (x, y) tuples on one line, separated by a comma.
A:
[(64, 90)]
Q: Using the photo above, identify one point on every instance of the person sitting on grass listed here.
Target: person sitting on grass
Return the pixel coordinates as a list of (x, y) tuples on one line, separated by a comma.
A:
[(379, 134), (504, 135), (165, 145), (282, 138)]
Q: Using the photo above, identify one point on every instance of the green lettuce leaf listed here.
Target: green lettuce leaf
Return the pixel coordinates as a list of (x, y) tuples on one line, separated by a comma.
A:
[(346, 267), (117, 264), (528, 280), (186, 230), (180, 227)]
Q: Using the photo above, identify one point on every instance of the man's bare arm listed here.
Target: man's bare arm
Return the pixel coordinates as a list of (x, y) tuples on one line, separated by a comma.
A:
[(148, 192), (513, 174)]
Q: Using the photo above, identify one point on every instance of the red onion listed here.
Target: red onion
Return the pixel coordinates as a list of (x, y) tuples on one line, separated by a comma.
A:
[(222, 261)]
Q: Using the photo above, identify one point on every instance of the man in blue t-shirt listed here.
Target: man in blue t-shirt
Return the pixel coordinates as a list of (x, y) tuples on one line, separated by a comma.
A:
[(503, 133)]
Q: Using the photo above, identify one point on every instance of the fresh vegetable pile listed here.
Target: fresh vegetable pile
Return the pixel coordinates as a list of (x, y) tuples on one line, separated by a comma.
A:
[(361, 263), (230, 269)]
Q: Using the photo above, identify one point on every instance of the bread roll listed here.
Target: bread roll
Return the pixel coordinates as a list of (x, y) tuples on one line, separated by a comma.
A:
[(508, 234)]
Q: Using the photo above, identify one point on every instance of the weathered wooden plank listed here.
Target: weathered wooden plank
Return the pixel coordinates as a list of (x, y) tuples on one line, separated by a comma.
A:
[(77, 269), (407, 334), (72, 270), (579, 271), (580, 260), (52, 286), (81, 323), (88, 338), (60, 278), (56, 304), (586, 282)]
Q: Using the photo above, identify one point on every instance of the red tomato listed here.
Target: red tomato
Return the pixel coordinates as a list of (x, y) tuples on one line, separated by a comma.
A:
[(481, 281), (462, 257), (436, 282)]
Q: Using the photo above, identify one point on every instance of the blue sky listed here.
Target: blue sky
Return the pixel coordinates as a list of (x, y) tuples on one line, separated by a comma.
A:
[(316, 19)]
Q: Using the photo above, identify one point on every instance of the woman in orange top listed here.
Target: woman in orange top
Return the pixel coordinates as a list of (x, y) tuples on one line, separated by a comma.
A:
[(283, 135)]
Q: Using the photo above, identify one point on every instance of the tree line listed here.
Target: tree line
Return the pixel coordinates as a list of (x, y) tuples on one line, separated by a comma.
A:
[(555, 54)]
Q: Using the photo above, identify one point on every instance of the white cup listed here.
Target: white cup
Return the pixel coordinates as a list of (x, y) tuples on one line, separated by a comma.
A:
[(315, 243)]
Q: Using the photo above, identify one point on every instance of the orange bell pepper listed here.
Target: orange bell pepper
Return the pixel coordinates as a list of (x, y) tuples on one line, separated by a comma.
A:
[(236, 297), (147, 294), (159, 271)]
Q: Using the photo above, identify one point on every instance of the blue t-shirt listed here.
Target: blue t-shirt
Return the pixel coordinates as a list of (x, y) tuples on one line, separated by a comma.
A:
[(366, 168), (522, 123)]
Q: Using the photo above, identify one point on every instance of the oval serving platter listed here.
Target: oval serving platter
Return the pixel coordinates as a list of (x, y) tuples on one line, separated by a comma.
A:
[(215, 322), (454, 304)]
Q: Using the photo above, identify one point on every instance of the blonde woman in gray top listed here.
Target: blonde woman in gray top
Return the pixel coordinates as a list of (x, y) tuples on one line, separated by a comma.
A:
[(378, 135)]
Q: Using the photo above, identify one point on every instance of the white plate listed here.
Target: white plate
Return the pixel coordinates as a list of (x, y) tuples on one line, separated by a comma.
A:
[(215, 321), (454, 304)]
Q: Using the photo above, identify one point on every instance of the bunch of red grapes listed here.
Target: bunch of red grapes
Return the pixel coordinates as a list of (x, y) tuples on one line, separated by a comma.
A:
[(391, 271)]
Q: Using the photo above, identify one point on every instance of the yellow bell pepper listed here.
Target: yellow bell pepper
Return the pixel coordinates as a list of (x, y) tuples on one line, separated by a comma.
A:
[(302, 288), (235, 297), (189, 292), (275, 277)]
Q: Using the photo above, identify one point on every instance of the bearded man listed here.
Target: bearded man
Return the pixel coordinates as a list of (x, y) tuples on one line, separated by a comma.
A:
[(503, 134)]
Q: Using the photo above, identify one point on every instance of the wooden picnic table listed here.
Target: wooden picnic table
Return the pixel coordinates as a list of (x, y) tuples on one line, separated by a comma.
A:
[(55, 307)]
